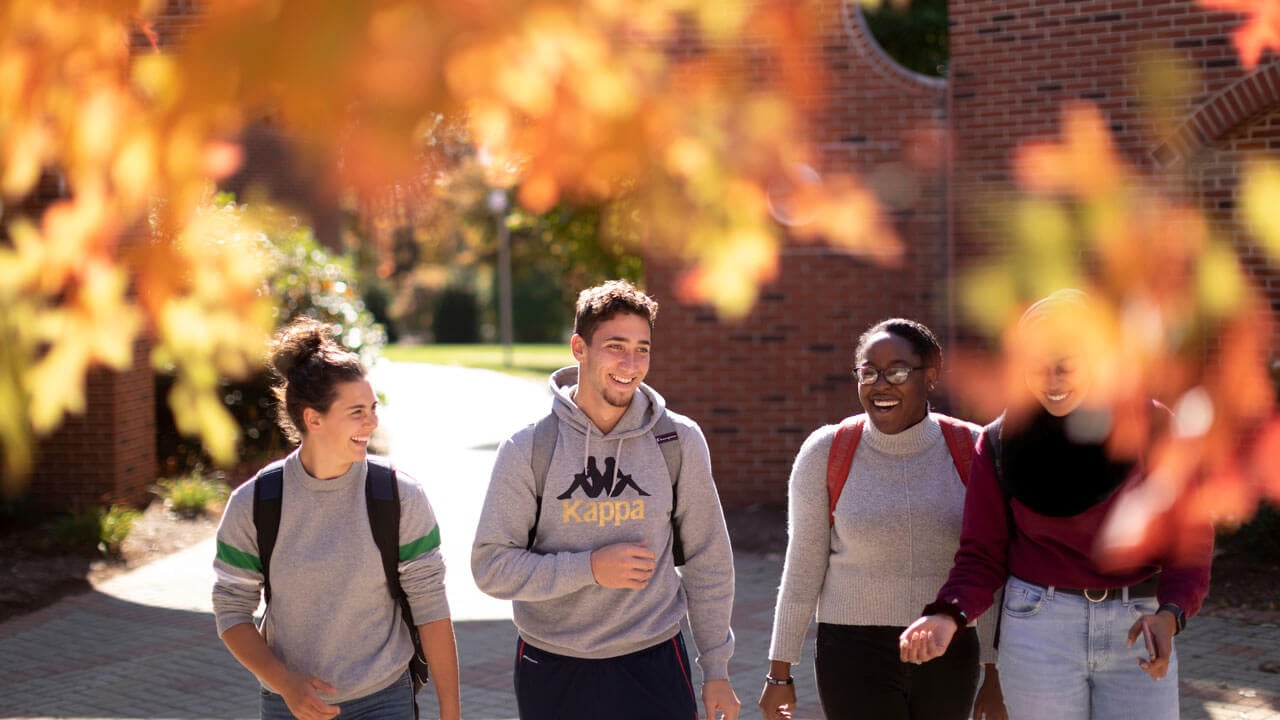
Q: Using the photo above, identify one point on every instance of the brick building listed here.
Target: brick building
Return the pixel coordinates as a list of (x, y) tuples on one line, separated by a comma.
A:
[(759, 386)]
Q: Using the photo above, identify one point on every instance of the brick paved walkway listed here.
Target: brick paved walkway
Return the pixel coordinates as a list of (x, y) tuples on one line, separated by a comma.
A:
[(143, 644)]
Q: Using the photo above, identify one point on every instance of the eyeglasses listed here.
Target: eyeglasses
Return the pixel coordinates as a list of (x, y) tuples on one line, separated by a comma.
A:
[(897, 375)]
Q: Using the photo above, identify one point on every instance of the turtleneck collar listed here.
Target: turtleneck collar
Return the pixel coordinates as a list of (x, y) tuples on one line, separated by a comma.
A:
[(914, 439)]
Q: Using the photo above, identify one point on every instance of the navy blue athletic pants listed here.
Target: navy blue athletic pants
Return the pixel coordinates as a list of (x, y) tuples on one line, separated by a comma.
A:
[(650, 684)]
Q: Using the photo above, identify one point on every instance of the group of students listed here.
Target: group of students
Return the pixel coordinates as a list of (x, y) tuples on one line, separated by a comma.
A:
[(603, 526)]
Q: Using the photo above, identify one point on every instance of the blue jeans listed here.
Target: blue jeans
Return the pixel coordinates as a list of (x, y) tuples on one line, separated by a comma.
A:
[(394, 702), (1063, 657)]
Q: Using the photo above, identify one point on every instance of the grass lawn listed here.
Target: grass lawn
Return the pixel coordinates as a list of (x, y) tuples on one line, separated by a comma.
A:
[(531, 361)]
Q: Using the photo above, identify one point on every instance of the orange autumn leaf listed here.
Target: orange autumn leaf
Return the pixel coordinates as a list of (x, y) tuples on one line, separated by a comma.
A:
[(1259, 32)]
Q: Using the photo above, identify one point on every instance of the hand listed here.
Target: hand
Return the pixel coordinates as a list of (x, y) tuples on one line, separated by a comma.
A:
[(989, 705), (719, 700), (926, 638), (777, 701), (1162, 626), (623, 566), (301, 696)]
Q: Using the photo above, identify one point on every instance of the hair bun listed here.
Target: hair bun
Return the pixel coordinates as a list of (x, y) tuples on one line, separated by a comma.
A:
[(297, 343)]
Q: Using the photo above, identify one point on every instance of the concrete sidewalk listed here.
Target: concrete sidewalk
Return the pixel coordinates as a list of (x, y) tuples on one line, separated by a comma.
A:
[(142, 645)]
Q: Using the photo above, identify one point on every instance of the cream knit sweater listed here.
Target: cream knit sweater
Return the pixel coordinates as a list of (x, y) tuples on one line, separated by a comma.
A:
[(897, 527)]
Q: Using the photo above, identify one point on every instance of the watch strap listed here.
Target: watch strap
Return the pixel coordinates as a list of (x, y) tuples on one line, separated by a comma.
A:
[(1178, 614), (951, 610)]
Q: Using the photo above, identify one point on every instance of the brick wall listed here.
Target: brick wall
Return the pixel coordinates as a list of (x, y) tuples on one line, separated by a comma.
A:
[(759, 386), (1015, 64), (1214, 174), (107, 454)]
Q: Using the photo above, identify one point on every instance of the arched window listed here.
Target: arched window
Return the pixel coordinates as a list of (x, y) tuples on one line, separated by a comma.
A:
[(912, 32)]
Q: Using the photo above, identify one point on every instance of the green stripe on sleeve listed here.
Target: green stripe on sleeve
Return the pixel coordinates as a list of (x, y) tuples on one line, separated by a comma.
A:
[(242, 559), (424, 544)]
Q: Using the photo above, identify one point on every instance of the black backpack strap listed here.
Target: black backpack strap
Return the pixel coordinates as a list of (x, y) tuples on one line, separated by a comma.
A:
[(664, 432), (546, 433), (382, 501), (268, 493)]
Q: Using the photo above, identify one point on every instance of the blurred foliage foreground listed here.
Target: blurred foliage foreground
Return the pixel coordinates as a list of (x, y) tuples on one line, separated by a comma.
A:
[(662, 108)]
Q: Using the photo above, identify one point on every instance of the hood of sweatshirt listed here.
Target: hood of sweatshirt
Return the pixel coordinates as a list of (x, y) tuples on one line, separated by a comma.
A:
[(645, 409)]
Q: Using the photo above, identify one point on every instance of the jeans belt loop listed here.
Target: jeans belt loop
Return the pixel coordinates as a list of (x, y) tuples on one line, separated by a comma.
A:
[(1104, 592)]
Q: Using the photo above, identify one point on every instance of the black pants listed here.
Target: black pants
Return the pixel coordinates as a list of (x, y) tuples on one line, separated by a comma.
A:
[(650, 684), (860, 676)]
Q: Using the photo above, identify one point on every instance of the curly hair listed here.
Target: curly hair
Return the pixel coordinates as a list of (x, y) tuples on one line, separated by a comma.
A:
[(607, 300)]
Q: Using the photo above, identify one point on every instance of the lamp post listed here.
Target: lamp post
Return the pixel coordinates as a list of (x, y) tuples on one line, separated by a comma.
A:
[(497, 203)]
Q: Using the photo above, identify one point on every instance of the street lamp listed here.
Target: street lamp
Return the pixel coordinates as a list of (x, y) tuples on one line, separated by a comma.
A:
[(497, 202)]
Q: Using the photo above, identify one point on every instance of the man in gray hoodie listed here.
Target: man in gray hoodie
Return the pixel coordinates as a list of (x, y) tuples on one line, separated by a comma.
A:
[(588, 561)]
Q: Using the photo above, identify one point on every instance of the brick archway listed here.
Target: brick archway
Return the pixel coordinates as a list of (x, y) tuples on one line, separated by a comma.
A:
[(1229, 108)]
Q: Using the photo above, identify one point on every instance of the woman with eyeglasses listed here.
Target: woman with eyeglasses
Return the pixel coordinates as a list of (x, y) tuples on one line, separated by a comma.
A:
[(875, 507), (1078, 639)]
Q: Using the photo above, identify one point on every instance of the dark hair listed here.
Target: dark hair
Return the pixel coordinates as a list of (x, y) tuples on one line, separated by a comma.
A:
[(923, 342), (606, 300), (308, 365)]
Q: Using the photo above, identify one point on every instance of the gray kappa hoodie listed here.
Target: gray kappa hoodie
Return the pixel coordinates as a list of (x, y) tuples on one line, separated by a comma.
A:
[(603, 489)]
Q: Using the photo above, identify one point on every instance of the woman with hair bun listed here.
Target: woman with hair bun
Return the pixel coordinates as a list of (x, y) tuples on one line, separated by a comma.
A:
[(332, 639)]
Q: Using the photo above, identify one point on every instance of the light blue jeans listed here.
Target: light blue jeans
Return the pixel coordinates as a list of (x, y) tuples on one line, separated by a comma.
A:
[(394, 702), (1063, 657)]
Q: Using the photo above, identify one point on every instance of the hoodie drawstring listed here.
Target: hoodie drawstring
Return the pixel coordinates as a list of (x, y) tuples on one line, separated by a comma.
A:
[(586, 453), (617, 461)]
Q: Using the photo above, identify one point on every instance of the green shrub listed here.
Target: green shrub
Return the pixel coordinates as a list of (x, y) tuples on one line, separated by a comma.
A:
[(85, 530), (78, 530), (457, 316), (114, 526), (192, 495)]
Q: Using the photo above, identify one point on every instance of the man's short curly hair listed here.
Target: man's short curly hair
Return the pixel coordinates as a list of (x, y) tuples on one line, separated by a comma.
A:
[(607, 300)]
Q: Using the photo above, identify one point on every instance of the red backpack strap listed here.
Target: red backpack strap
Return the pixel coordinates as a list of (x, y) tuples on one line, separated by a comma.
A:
[(843, 446), (960, 442)]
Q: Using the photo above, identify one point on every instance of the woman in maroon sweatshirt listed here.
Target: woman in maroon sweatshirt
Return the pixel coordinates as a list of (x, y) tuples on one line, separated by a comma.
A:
[(1077, 639)]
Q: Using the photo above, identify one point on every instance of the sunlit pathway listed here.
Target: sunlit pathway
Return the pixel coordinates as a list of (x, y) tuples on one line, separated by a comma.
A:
[(143, 644)]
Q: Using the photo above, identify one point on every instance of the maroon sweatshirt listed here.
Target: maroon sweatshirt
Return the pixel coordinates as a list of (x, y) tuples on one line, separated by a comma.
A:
[(1049, 550)]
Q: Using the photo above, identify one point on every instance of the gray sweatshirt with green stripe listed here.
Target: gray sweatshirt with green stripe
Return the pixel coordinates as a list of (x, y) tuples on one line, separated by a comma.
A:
[(603, 489), (331, 615)]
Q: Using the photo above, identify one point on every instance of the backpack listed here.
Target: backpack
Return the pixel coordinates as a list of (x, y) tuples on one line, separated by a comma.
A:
[(382, 500), (840, 459), (547, 431)]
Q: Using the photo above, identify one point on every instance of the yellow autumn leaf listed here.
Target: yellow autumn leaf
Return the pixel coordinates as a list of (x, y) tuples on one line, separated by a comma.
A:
[(1220, 284), (57, 381), (1261, 205), (989, 296)]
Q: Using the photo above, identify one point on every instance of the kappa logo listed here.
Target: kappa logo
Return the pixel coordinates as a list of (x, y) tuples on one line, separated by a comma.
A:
[(593, 482), (610, 483)]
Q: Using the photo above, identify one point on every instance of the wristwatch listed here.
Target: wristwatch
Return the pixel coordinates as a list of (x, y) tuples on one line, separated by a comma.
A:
[(950, 609), (779, 681), (1178, 615)]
